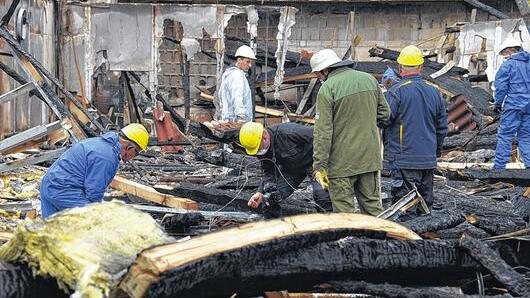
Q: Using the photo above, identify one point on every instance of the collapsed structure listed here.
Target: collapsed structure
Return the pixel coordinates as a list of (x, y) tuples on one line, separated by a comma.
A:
[(75, 70)]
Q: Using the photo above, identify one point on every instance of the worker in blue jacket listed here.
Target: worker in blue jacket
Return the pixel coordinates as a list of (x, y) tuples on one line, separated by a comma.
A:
[(81, 174), (512, 97), (414, 134)]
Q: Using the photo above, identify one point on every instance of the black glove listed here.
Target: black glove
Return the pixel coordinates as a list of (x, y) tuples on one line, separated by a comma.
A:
[(497, 110), (492, 100)]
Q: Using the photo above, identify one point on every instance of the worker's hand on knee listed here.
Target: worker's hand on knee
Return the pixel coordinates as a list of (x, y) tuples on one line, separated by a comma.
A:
[(321, 176), (255, 200)]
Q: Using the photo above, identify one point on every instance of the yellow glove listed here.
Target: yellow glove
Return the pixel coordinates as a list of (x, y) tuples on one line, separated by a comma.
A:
[(321, 176)]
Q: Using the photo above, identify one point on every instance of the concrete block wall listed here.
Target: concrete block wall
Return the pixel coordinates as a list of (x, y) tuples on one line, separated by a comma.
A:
[(326, 26)]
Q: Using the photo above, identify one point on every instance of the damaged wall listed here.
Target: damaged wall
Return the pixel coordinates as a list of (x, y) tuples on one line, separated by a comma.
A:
[(39, 38)]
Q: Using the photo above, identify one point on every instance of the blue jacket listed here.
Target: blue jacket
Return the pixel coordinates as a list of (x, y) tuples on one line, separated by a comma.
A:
[(81, 174), (414, 134), (512, 82)]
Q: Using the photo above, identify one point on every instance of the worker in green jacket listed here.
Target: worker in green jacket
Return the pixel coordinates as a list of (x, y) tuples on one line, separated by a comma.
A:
[(346, 146)]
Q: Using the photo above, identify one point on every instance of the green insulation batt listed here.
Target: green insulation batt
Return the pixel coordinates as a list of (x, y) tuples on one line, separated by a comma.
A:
[(86, 249)]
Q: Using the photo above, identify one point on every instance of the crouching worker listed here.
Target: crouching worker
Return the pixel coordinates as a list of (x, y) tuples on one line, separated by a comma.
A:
[(81, 174), (286, 155)]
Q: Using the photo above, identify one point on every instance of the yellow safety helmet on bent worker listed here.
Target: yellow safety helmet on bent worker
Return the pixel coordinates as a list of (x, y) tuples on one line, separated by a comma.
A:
[(410, 56), (137, 133), (250, 136)]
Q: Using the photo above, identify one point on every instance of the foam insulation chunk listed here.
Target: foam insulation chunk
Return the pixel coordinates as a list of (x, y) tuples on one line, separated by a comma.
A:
[(86, 249)]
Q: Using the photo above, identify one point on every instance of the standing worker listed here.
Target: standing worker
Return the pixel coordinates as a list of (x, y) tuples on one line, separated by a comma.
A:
[(415, 132), (347, 149), (512, 97), (286, 155), (81, 174), (236, 98)]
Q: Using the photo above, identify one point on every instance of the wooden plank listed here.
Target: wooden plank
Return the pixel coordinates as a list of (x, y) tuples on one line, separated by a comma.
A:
[(150, 194), (33, 135), (306, 96), (80, 115), (31, 160), (154, 262)]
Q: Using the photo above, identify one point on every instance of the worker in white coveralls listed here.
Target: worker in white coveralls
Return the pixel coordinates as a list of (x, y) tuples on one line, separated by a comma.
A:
[(236, 99)]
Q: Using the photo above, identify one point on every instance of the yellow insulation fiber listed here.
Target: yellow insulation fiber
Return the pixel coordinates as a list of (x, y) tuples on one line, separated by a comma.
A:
[(86, 249)]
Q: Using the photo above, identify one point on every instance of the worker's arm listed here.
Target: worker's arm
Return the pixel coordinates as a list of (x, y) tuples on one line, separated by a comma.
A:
[(99, 174), (441, 125), (383, 110), (393, 102), (501, 83), (323, 131), (237, 92)]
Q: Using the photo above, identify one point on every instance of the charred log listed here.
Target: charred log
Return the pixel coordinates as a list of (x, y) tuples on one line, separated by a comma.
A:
[(389, 290), (520, 177), (497, 225), (461, 229), (17, 280), (249, 273), (492, 261), (470, 141), (437, 220)]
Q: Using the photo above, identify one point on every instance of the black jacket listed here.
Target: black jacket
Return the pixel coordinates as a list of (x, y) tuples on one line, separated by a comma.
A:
[(291, 149)]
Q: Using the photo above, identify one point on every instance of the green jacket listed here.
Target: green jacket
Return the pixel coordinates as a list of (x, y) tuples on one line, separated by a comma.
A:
[(350, 105)]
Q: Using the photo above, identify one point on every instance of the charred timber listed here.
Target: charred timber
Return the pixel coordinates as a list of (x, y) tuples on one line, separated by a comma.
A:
[(393, 55), (437, 220), (249, 272), (461, 229), (18, 281), (470, 141), (391, 290), (492, 261), (520, 177)]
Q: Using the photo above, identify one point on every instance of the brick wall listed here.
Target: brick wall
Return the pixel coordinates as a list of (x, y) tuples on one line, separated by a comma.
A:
[(326, 26)]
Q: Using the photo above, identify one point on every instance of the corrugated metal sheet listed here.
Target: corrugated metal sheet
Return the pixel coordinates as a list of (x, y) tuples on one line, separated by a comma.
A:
[(459, 115)]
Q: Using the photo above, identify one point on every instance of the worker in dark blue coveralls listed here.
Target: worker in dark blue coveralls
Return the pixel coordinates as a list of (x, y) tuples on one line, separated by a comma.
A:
[(512, 97), (414, 134), (81, 174)]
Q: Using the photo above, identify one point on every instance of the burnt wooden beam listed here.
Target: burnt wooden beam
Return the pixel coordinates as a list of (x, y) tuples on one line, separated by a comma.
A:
[(492, 261), (393, 55), (520, 177), (9, 13), (437, 220), (470, 141), (171, 270), (497, 225), (461, 229), (492, 11), (384, 290), (251, 271), (18, 280)]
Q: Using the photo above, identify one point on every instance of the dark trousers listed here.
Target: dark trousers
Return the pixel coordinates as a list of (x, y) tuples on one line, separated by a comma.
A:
[(403, 181), (286, 186)]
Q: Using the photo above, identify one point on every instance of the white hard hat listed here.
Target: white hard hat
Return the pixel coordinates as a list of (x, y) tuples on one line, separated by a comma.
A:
[(323, 59), (245, 51), (510, 42)]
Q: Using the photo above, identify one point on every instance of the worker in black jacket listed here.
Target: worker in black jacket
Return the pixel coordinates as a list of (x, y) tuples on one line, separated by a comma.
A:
[(286, 154)]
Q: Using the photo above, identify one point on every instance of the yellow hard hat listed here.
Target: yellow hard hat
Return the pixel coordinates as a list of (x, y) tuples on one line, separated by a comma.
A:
[(410, 56), (250, 136), (137, 133)]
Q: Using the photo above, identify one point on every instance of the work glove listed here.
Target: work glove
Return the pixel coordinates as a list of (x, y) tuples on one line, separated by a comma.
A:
[(321, 176), (497, 110)]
